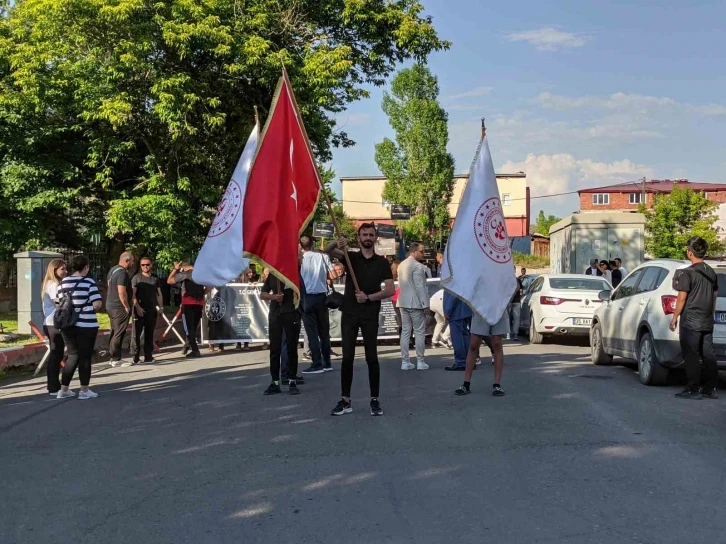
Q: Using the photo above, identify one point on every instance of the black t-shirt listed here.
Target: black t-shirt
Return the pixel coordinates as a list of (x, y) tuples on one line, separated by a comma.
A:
[(517, 298), (146, 288), (271, 285), (118, 276), (700, 282), (370, 273)]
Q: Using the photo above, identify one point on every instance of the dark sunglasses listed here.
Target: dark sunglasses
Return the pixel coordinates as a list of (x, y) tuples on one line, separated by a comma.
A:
[(145, 264)]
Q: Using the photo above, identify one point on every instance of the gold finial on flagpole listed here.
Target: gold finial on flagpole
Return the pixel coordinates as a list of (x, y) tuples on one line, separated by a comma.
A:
[(483, 128)]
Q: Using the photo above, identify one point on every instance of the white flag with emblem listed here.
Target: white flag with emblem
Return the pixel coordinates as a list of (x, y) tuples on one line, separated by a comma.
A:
[(477, 264), (221, 259)]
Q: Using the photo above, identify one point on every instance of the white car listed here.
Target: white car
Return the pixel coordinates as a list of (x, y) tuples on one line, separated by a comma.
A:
[(633, 321), (560, 304)]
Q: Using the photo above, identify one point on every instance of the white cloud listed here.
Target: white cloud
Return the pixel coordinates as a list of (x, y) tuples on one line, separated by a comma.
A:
[(479, 91), (548, 39)]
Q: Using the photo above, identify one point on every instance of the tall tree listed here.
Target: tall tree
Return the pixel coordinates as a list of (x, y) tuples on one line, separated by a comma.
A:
[(420, 171), (544, 222), (676, 217), (128, 115)]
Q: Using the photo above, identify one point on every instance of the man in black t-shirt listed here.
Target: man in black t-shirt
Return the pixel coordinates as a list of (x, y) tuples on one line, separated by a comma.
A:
[(283, 316), (697, 288), (147, 297), (118, 305), (360, 312)]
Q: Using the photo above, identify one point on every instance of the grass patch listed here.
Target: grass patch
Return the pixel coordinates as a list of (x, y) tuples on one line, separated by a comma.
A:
[(530, 261), (10, 325)]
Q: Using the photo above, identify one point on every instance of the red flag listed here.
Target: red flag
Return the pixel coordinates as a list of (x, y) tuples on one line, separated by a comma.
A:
[(282, 191)]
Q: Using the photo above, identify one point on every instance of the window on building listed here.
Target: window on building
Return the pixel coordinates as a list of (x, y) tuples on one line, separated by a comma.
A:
[(506, 200), (601, 199), (635, 198)]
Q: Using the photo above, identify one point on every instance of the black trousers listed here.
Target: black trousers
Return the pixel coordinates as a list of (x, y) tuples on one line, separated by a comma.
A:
[(368, 325), (701, 366), (191, 317), (289, 323), (145, 324), (317, 325), (80, 342), (119, 323), (53, 366)]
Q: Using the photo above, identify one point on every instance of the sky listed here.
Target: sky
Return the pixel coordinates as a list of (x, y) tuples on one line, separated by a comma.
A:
[(575, 94)]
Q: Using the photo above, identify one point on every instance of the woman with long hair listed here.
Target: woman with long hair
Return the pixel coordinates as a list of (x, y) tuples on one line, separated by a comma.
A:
[(606, 272), (54, 274), (80, 339)]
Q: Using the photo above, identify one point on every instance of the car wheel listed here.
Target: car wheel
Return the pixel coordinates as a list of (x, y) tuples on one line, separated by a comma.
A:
[(534, 336), (599, 357), (650, 371)]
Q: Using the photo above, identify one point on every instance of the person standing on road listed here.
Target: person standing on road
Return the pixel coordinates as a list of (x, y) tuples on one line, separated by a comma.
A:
[(147, 298), (413, 301), (118, 306), (360, 312), (623, 270), (80, 339), (605, 271), (594, 269), (192, 304), (615, 274), (284, 321), (54, 274), (315, 271), (442, 332), (514, 310), (697, 288), (459, 316)]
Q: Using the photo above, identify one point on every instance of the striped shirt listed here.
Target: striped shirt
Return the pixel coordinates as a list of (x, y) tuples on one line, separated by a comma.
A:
[(85, 293)]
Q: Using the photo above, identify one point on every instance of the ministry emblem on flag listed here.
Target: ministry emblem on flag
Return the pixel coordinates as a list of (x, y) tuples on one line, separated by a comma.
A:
[(216, 309), (228, 210), (491, 231)]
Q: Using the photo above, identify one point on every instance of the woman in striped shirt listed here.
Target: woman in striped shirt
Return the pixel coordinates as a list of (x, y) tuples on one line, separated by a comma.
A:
[(81, 338)]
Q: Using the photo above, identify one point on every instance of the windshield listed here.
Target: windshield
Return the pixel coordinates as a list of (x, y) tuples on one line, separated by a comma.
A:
[(580, 284)]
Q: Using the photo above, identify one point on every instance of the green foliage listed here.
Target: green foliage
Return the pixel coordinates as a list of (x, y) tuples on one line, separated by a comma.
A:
[(544, 223), (128, 116), (675, 218), (420, 171), (529, 261)]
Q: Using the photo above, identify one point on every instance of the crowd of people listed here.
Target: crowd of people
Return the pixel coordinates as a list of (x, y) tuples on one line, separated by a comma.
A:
[(612, 271)]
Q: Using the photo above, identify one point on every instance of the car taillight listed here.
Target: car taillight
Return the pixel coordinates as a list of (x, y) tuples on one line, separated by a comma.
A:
[(553, 301), (669, 304)]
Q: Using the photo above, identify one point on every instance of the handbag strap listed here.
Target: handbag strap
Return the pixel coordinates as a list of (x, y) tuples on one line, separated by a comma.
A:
[(710, 280)]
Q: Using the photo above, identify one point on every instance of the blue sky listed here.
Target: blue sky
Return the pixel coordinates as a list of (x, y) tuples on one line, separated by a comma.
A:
[(576, 94)]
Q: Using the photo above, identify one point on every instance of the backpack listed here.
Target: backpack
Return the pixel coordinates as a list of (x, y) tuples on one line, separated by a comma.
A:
[(194, 290), (65, 315)]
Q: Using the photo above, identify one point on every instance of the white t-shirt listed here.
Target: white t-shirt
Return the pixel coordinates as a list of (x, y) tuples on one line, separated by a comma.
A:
[(314, 272), (623, 271), (49, 295)]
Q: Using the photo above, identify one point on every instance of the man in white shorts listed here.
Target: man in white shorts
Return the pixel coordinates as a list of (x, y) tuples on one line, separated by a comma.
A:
[(479, 329)]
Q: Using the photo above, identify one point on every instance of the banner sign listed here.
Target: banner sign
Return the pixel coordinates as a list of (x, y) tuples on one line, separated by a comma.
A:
[(400, 212), (323, 230), (386, 231), (236, 313)]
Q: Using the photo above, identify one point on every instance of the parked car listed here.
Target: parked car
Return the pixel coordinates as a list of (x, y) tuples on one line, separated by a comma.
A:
[(633, 321), (560, 304), (527, 280)]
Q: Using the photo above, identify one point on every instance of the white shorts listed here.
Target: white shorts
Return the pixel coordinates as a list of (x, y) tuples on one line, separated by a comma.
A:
[(480, 327)]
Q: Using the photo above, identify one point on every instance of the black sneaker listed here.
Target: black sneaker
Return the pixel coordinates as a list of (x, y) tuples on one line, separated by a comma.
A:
[(709, 393), (497, 390), (462, 390), (186, 349), (313, 370), (342, 408), (376, 409), (454, 368), (293, 390), (149, 360), (300, 380), (689, 394), (273, 389), (193, 355)]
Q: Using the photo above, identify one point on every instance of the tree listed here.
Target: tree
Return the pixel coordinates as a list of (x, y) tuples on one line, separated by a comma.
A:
[(544, 223), (127, 116), (419, 170), (675, 218)]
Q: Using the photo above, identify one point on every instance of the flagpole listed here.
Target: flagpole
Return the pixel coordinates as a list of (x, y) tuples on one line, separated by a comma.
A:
[(320, 183)]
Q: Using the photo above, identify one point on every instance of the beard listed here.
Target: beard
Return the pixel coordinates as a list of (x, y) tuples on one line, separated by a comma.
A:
[(367, 244)]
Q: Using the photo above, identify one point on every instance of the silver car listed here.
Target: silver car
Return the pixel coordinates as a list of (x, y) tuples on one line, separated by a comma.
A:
[(633, 321)]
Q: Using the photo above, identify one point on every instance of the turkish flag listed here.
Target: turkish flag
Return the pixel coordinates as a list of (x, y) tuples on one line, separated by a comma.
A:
[(282, 190)]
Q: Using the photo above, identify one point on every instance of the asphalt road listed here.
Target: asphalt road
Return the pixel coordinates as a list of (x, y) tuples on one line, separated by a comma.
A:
[(191, 452)]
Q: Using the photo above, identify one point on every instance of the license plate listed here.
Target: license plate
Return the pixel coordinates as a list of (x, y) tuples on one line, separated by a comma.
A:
[(719, 317), (581, 321)]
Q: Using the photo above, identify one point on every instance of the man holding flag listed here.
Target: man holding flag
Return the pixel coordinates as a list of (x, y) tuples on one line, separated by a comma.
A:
[(477, 264)]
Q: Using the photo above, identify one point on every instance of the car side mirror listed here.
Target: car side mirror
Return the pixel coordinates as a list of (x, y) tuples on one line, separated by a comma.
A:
[(604, 295)]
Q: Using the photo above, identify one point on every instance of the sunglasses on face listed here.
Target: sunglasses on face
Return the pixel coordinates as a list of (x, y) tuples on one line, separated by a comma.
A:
[(145, 264)]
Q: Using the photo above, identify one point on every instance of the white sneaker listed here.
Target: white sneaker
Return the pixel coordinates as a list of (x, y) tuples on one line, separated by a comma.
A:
[(65, 394), (114, 364), (422, 366), (407, 366), (126, 364), (478, 361), (85, 395)]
